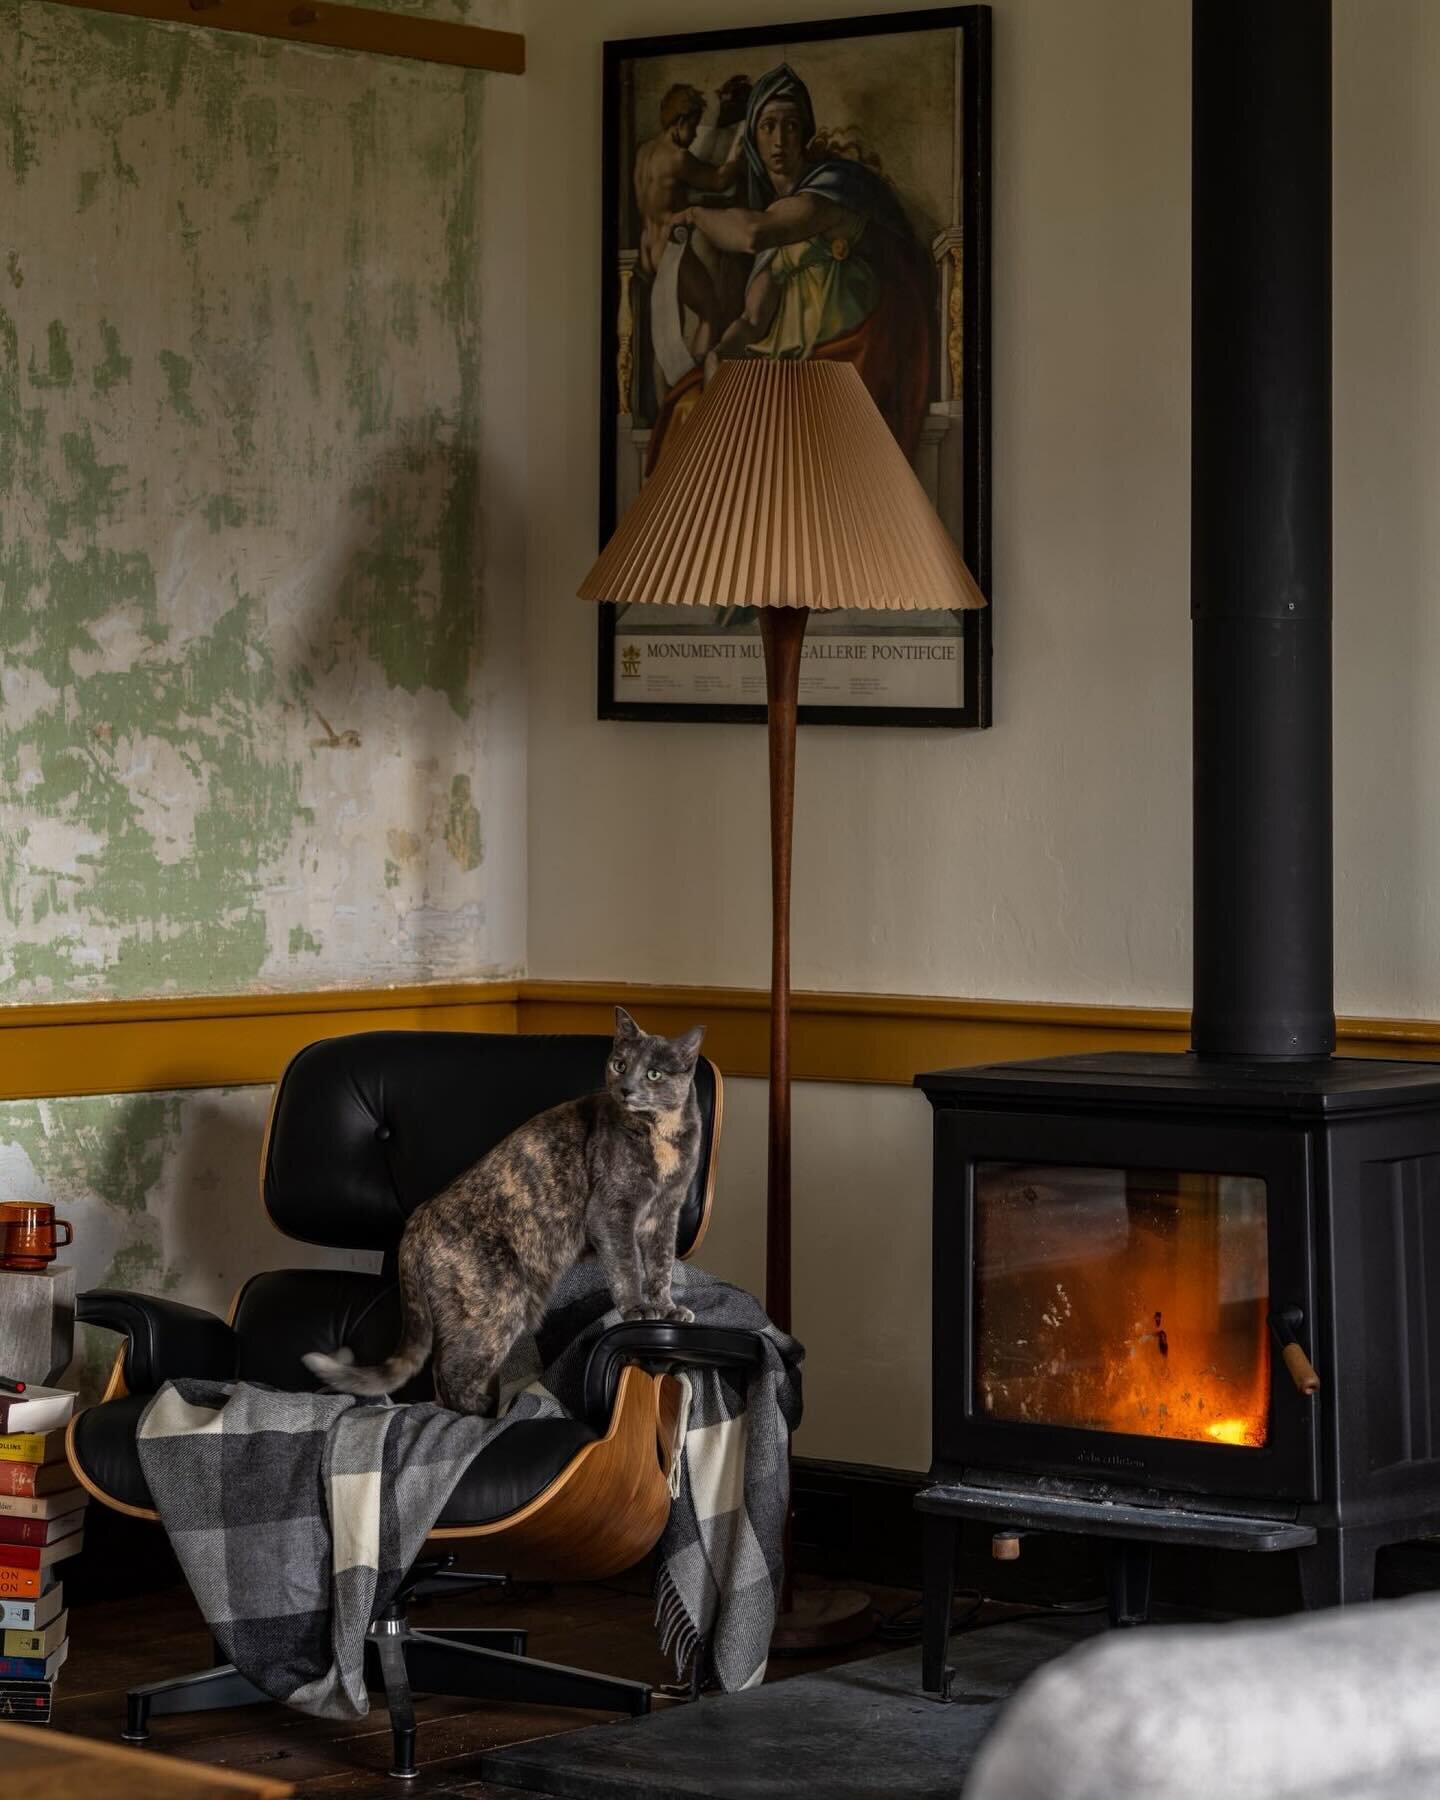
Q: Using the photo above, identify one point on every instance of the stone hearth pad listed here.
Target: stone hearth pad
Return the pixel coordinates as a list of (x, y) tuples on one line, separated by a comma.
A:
[(863, 1731)]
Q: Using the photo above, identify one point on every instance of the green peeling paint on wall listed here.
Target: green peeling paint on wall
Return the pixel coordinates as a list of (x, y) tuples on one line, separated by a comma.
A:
[(239, 588), (59, 369), (113, 1146), (114, 365), (221, 510), (462, 827), (177, 382)]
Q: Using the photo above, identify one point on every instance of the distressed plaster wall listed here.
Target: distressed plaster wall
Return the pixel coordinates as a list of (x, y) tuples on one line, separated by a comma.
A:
[(246, 663), (261, 576)]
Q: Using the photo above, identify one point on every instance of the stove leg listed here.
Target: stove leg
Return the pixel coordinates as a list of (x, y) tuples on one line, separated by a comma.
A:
[(1338, 1569), (1127, 1582), (941, 1539)]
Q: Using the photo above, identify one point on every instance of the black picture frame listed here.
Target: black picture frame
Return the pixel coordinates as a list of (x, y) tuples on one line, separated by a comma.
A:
[(974, 22)]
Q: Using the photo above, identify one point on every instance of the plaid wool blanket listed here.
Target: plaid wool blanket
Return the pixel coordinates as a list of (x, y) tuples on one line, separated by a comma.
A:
[(295, 1516)]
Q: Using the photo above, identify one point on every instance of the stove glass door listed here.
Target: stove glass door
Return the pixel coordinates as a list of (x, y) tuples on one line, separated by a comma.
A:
[(1123, 1300)]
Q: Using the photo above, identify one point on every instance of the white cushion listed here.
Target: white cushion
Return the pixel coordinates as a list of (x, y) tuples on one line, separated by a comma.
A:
[(1337, 1705)]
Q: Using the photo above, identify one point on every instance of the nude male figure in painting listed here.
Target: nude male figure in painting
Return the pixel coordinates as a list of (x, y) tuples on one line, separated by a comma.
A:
[(665, 174)]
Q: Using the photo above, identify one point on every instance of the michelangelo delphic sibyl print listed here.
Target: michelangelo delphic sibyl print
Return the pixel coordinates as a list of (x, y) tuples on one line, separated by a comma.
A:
[(795, 192)]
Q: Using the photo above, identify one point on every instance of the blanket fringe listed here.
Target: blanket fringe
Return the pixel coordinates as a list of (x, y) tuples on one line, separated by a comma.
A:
[(678, 1634)]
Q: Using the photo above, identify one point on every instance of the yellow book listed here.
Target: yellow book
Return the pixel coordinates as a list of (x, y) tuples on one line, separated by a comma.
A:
[(33, 1446), (40, 1642)]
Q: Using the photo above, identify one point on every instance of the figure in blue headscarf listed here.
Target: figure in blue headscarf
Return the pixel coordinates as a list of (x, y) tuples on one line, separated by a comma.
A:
[(836, 272)]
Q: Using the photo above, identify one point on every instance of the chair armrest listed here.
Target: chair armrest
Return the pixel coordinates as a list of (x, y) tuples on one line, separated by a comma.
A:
[(166, 1339), (656, 1343)]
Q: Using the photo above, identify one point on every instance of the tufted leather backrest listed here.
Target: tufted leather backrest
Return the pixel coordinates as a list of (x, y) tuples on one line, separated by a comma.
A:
[(364, 1128)]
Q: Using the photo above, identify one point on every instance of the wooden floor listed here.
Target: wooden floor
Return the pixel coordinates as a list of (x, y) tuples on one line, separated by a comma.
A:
[(119, 1643)]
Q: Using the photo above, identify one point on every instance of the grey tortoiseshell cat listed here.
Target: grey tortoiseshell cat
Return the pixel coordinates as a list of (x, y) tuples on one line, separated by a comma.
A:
[(478, 1262)]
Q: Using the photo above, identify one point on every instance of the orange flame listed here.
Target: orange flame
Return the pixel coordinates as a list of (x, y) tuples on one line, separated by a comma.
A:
[(1151, 1322)]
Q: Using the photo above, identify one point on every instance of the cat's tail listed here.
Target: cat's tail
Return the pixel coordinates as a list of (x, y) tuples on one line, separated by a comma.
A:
[(407, 1359)]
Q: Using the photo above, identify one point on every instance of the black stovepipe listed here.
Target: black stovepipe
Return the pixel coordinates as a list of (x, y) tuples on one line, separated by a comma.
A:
[(1260, 530)]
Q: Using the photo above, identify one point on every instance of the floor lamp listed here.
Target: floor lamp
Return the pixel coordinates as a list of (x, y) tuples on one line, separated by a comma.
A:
[(786, 491)]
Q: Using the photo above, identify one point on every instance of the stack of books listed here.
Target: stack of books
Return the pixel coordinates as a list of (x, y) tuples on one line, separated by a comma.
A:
[(42, 1515)]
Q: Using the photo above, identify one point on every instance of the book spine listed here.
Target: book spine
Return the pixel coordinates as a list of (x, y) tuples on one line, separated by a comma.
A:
[(44, 1506), (32, 1615), (25, 1446), (22, 1668), (24, 1531), (37, 1412), (20, 1556), (42, 1531), (27, 1703), (18, 1478), (20, 1584), (40, 1640)]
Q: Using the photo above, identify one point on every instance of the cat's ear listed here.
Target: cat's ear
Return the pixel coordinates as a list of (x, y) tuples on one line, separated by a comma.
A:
[(625, 1026), (689, 1045)]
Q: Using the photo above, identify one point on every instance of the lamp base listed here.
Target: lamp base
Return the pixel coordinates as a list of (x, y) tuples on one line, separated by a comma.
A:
[(822, 1618)]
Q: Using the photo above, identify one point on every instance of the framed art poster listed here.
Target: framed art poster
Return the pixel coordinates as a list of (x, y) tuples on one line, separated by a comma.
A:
[(793, 191)]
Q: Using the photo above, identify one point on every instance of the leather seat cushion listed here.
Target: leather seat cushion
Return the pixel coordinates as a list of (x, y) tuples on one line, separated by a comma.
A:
[(103, 1444), (520, 1464)]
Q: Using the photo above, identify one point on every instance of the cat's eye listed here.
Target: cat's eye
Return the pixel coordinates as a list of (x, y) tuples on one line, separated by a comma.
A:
[(617, 1064), (652, 1074)]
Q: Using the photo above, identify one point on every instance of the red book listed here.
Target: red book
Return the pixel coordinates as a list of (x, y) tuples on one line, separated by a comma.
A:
[(29, 1479), (38, 1556), (40, 1531)]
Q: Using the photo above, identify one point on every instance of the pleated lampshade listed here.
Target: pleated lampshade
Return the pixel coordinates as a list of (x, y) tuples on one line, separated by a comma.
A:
[(785, 487)]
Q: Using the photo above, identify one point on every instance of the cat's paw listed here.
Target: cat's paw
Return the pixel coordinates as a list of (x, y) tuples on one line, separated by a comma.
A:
[(678, 1315), (642, 1312)]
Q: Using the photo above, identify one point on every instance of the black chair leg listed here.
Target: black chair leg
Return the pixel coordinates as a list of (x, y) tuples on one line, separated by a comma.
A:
[(441, 1665), (427, 1583), (389, 1637), (207, 1691)]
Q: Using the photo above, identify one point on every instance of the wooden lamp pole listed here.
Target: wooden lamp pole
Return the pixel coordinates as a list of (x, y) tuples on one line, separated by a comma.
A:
[(832, 1616), (782, 631)]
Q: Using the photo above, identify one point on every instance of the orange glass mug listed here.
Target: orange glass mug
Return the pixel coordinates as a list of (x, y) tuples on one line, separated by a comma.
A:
[(28, 1234)]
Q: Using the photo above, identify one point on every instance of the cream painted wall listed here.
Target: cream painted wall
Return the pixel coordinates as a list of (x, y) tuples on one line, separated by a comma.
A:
[(1387, 531), (862, 1259), (1049, 857)]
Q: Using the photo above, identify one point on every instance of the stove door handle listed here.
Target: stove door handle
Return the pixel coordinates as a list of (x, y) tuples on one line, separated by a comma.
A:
[(1302, 1370)]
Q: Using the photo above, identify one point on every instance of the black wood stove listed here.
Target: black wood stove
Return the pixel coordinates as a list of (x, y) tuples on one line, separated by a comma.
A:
[(1196, 1299)]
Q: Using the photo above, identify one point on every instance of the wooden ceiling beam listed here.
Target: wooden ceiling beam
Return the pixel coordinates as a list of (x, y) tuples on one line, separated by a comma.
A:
[(337, 27)]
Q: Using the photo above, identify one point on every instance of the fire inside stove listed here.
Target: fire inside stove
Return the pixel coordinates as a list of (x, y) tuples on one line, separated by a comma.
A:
[(1123, 1300)]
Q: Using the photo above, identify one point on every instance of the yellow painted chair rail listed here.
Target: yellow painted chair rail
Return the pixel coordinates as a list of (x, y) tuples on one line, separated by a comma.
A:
[(139, 1046)]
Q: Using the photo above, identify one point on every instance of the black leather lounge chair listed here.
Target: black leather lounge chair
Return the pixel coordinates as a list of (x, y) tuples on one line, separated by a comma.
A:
[(361, 1130)]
